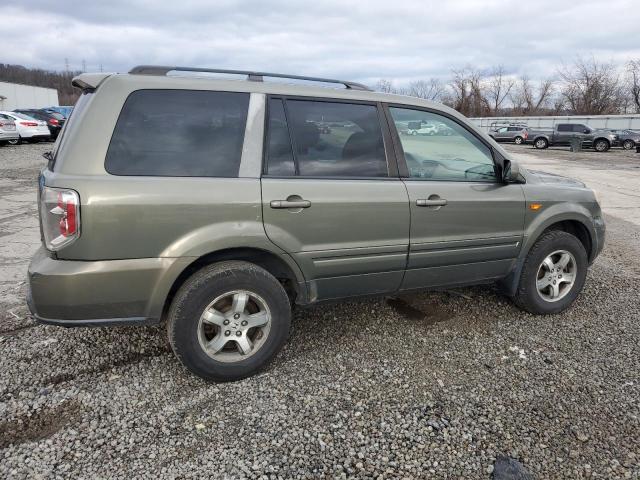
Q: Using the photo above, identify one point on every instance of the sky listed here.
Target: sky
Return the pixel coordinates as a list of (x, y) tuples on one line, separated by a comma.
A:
[(360, 41)]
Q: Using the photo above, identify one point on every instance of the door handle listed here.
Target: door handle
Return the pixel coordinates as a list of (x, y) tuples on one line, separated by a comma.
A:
[(290, 204), (423, 202)]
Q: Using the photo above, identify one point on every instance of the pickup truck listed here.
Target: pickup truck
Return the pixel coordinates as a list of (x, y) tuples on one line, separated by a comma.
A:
[(598, 139)]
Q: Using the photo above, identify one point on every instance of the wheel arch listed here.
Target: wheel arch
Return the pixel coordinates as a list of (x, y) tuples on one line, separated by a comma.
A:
[(597, 139), (285, 270), (575, 224)]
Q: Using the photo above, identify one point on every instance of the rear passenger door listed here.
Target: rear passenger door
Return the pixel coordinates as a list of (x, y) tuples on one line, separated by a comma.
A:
[(564, 133), (331, 195)]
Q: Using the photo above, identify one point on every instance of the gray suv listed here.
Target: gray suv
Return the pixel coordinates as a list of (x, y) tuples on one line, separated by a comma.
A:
[(216, 205)]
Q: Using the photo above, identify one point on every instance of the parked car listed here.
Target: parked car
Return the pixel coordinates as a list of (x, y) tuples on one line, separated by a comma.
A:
[(627, 139), (221, 226), (8, 131), (55, 121), (65, 111), (515, 134), (29, 128), (598, 139), (417, 128)]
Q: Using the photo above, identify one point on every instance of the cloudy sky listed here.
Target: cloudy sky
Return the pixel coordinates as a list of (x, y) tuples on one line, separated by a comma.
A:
[(361, 41)]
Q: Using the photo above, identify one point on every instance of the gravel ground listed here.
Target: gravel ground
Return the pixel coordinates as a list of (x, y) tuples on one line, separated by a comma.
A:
[(428, 385)]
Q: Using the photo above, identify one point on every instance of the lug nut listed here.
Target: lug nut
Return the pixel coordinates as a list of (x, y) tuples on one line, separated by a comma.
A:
[(227, 333), (226, 322), (244, 323), (238, 333), (236, 316)]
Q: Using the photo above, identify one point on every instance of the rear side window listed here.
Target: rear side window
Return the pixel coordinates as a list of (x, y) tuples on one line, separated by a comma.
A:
[(565, 127), (179, 133), (330, 139), (579, 128)]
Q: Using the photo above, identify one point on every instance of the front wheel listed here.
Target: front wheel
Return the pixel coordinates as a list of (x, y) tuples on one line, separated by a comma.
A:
[(518, 140), (14, 141), (628, 144), (229, 320), (553, 274)]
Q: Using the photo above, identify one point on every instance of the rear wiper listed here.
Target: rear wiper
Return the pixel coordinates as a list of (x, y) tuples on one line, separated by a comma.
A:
[(48, 155)]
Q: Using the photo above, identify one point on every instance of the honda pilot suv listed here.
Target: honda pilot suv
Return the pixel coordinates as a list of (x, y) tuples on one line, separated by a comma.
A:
[(216, 205)]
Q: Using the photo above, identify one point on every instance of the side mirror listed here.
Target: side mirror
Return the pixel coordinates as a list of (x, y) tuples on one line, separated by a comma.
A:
[(511, 172)]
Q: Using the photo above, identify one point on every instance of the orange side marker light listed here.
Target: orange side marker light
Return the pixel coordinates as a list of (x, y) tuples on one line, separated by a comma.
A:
[(535, 206)]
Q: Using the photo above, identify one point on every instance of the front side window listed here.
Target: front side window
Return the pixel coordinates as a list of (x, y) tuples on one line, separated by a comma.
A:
[(181, 133), (336, 139), (563, 127), (457, 155)]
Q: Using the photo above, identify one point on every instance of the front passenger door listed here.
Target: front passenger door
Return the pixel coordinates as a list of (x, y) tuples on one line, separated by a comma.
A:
[(466, 225)]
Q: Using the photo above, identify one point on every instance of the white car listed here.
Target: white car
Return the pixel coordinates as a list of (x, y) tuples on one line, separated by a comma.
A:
[(8, 131), (425, 129), (28, 128)]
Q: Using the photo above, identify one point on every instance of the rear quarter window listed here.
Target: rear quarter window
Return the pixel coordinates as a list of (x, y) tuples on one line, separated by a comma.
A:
[(181, 133)]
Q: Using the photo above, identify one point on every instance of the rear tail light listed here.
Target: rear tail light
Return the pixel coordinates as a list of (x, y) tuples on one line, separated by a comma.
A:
[(29, 124), (60, 217), (526, 135), (53, 121)]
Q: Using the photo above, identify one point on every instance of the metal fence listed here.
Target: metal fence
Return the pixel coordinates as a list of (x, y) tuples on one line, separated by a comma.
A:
[(594, 121)]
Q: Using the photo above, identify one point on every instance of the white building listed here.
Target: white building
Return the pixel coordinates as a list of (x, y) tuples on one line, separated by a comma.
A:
[(14, 95)]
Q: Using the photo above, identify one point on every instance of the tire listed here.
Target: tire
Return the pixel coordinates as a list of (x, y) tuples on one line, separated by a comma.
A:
[(628, 144), (528, 297), (601, 145), (15, 141), (541, 143), (518, 140), (187, 331)]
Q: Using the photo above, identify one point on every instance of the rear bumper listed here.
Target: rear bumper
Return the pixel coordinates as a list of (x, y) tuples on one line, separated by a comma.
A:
[(100, 293)]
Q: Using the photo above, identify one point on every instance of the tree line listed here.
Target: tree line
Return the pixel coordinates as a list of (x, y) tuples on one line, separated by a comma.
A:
[(61, 81), (584, 87)]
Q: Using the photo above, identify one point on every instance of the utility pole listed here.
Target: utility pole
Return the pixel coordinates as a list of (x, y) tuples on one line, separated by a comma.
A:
[(84, 65), (66, 64), (100, 68)]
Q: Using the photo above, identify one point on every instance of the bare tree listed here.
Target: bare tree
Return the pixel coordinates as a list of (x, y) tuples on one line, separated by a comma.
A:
[(467, 93), (497, 88), (432, 89), (633, 80), (385, 86), (590, 87), (528, 99)]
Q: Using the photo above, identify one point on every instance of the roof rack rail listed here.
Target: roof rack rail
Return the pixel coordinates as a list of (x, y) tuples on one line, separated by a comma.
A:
[(252, 76)]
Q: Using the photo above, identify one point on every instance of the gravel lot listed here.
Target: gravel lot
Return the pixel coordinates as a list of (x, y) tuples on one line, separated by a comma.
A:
[(430, 385)]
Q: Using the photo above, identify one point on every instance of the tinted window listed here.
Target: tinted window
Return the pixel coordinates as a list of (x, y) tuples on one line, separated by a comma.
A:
[(182, 133), (580, 128), (453, 155), (565, 127), (337, 139), (279, 153), (514, 129)]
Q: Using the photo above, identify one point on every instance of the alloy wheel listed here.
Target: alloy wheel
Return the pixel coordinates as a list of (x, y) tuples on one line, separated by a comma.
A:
[(556, 275), (234, 326)]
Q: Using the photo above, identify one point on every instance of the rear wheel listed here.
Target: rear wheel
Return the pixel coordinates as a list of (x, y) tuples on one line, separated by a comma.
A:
[(541, 143), (229, 320), (601, 145), (628, 144), (518, 140), (14, 141), (553, 273)]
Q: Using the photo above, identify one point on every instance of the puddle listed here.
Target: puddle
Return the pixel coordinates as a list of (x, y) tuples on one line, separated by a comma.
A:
[(40, 425), (431, 315)]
